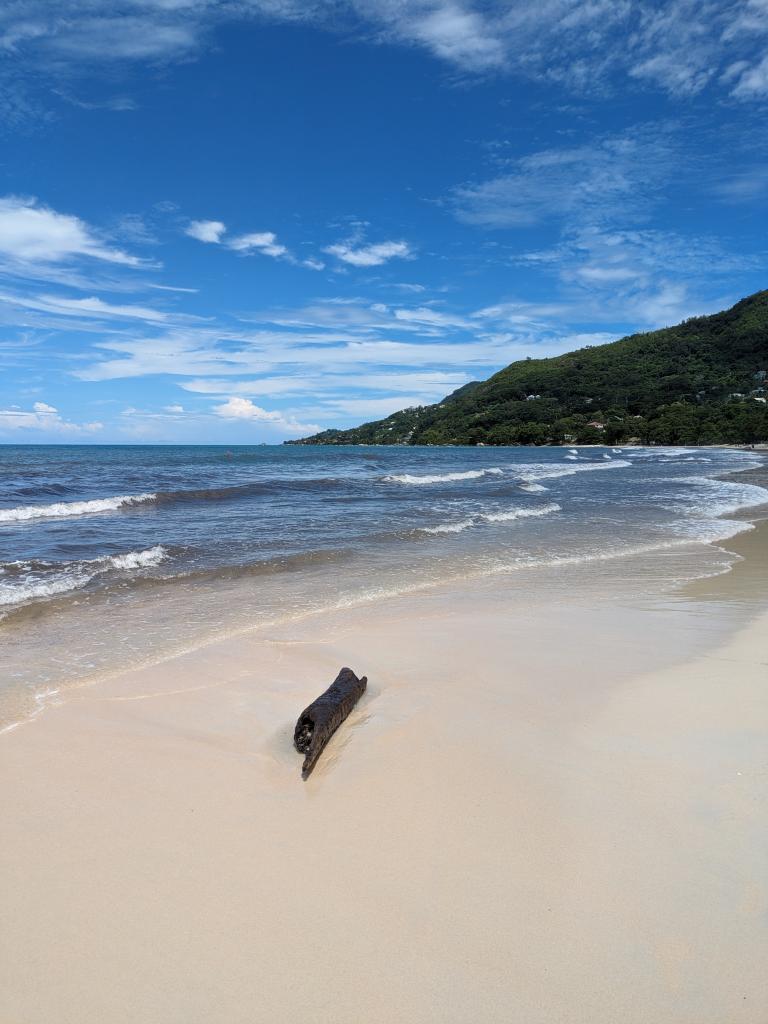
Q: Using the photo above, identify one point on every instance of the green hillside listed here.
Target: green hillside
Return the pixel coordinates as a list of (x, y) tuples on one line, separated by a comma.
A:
[(701, 382)]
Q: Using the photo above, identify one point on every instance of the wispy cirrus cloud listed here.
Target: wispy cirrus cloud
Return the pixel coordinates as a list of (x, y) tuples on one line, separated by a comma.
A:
[(602, 200), (751, 79), (342, 359), (681, 47), (611, 175), (642, 277), (317, 348), (745, 186), (86, 307), (435, 383)]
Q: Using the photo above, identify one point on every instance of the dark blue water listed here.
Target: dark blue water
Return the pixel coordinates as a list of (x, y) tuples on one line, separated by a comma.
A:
[(177, 543)]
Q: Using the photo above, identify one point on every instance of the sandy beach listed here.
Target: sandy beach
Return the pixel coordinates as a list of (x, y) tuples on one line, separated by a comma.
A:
[(542, 811)]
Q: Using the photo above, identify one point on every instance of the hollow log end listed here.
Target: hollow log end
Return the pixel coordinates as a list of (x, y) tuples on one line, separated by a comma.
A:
[(302, 734)]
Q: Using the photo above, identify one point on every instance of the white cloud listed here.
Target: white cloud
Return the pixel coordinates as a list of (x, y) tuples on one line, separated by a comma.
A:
[(369, 255), (605, 275), (124, 37), (675, 74), (206, 230), (43, 418), (174, 409), (433, 317), (244, 409), (453, 33), (88, 30), (31, 232), (264, 242), (753, 81)]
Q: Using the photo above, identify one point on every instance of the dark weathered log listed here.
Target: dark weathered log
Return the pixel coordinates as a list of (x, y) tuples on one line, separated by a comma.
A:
[(322, 718)]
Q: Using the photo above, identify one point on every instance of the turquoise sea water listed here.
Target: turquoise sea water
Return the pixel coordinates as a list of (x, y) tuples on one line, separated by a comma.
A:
[(114, 555)]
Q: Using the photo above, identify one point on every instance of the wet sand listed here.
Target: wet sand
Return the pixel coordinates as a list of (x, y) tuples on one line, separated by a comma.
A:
[(542, 811)]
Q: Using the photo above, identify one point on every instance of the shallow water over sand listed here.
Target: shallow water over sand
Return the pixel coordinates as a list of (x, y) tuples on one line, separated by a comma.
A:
[(112, 557)]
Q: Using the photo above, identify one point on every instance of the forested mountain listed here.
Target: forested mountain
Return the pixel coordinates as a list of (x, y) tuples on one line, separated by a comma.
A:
[(701, 382)]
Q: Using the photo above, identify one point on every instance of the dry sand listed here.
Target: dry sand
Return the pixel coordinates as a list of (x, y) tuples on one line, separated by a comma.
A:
[(549, 814)]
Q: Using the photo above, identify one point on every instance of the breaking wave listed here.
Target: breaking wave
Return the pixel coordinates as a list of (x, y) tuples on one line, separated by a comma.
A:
[(544, 471), (711, 497), (492, 517), (61, 509), (146, 559), (22, 581), (438, 478)]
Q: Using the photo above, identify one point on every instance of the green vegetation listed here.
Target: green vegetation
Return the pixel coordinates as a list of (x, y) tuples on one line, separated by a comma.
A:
[(701, 382)]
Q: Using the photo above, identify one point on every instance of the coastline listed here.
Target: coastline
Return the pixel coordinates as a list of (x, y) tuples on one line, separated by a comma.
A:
[(552, 813)]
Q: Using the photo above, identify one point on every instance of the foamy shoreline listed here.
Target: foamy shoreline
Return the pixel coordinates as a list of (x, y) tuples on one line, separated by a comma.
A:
[(540, 816)]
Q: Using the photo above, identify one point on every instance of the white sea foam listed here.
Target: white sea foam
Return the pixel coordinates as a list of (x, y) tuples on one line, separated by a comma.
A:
[(146, 559), (23, 592), (71, 508), (712, 497), (29, 586), (533, 488), (463, 524), (549, 471), (438, 478), (492, 517), (572, 457), (520, 513), (647, 451)]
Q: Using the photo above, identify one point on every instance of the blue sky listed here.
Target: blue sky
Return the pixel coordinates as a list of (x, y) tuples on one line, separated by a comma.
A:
[(231, 221)]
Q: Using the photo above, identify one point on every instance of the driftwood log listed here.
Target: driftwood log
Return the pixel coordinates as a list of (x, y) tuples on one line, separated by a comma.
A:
[(322, 718)]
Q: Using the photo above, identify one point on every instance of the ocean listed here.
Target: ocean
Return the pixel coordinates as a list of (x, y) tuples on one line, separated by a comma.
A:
[(117, 556)]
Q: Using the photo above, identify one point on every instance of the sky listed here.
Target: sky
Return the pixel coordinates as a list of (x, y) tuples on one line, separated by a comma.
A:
[(240, 221)]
